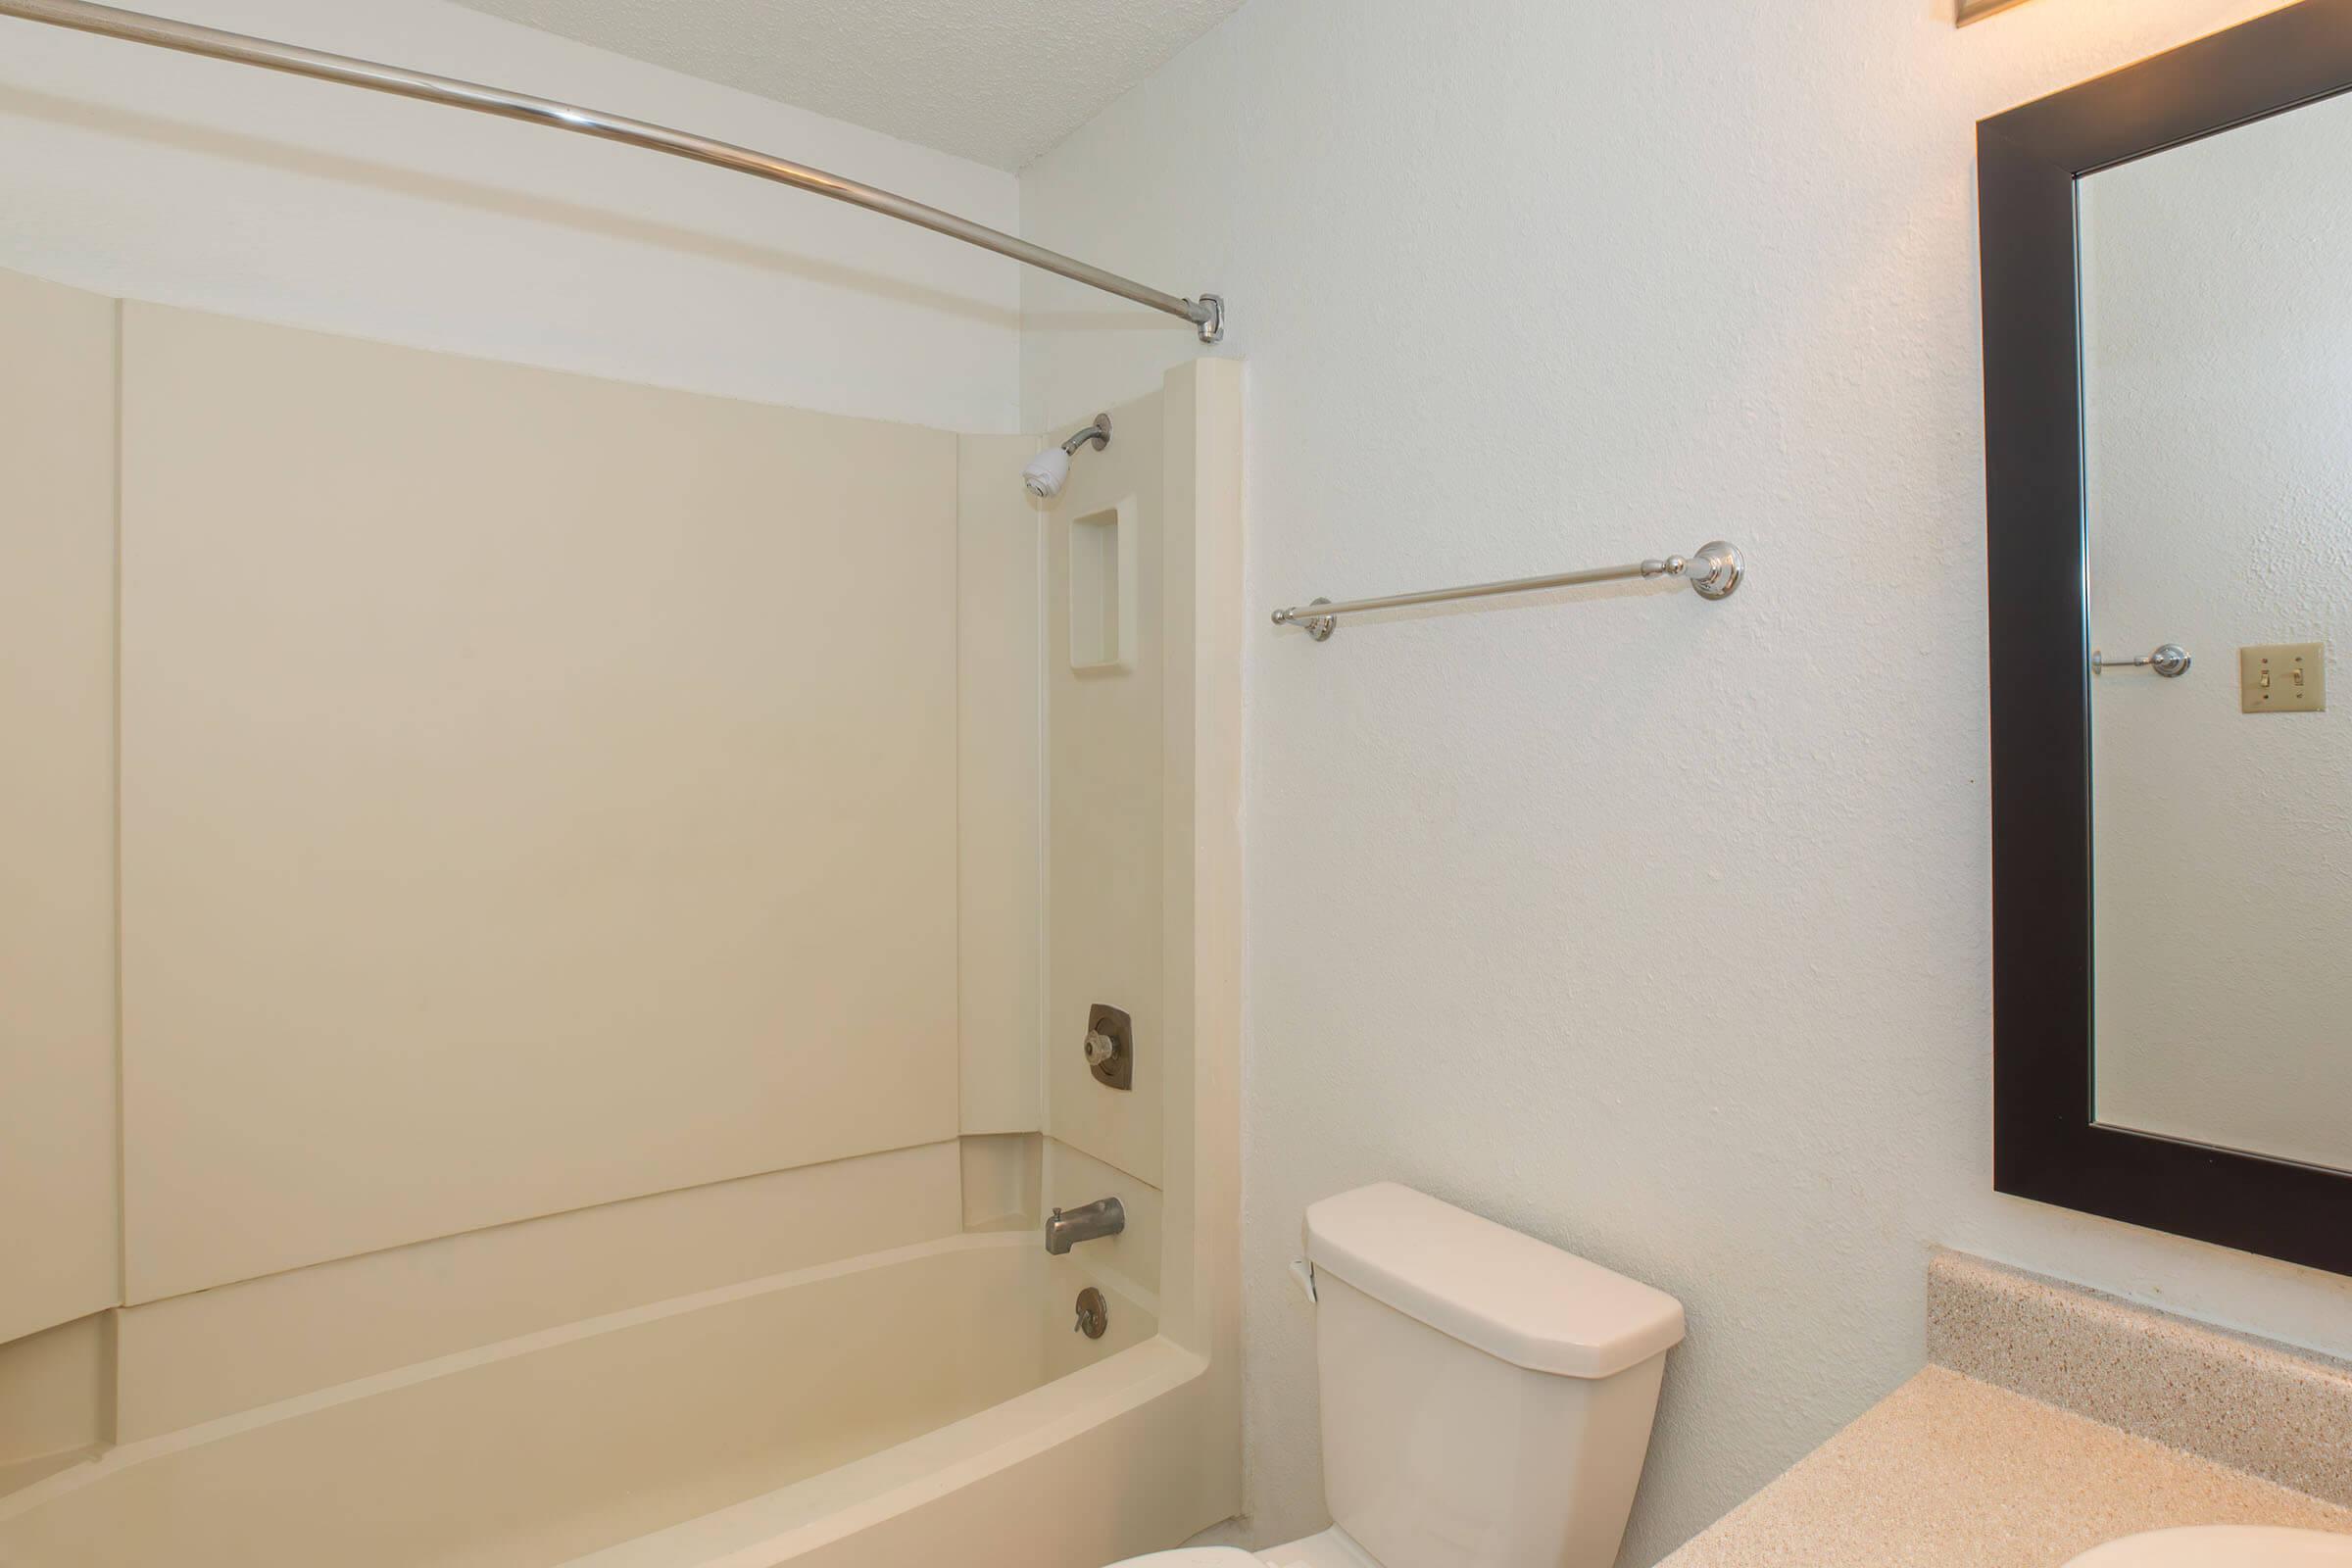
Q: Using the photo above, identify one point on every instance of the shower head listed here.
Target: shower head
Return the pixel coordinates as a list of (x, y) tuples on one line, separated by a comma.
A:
[(1046, 472), (1049, 469)]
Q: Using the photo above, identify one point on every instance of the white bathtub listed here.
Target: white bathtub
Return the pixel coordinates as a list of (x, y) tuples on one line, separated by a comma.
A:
[(926, 1405)]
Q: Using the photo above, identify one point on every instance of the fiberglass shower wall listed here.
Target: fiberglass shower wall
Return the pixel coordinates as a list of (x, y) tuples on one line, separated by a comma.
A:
[(581, 845), (1073, 867), (538, 857), (1131, 698)]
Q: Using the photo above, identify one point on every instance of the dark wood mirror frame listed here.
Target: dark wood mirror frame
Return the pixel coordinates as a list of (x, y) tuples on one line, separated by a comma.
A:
[(2047, 1145)]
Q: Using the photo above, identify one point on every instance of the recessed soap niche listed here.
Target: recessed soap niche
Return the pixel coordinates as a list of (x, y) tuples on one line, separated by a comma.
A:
[(1102, 588)]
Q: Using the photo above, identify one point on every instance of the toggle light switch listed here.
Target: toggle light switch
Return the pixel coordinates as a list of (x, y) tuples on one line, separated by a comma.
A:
[(2284, 678)]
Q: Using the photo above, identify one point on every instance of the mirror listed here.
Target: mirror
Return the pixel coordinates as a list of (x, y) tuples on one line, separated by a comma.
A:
[(2168, 404), (2216, 284)]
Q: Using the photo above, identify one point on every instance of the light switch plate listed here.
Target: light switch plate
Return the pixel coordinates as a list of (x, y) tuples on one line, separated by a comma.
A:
[(2284, 678)]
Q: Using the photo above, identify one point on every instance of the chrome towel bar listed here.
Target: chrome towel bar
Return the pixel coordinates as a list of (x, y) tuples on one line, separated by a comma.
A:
[(1715, 571), (2170, 660)]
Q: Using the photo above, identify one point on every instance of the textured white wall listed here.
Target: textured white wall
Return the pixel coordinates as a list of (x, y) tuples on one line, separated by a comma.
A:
[(158, 176), (2217, 286), (1655, 928)]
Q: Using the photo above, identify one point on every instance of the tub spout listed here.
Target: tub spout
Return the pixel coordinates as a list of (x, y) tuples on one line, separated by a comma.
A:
[(1106, 1216)]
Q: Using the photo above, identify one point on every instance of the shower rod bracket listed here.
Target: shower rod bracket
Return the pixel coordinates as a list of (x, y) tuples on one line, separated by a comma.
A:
[(1211, 321), (1714, 570)]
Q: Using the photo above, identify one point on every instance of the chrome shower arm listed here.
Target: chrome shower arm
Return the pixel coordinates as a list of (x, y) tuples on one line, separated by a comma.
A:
[(1098, 432)]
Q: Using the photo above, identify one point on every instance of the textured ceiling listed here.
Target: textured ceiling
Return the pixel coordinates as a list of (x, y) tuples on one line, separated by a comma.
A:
[(995, 80)]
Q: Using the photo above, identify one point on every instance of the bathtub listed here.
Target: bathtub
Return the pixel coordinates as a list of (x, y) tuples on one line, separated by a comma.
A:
[(930, 1404)]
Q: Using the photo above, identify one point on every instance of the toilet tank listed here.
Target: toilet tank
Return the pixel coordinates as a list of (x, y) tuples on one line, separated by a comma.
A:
[(1487, 1398)]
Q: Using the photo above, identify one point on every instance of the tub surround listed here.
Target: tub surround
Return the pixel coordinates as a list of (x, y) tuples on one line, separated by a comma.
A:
[(55, 1399), (404, 918), (57, 916), (857, 1356), (578, 1438), (192, 1358), (1002, 1176), (2054, 1418)]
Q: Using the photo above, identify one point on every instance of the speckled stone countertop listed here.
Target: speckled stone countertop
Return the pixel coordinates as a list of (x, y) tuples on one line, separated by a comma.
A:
[(1946, 1472), (1950, 1471)]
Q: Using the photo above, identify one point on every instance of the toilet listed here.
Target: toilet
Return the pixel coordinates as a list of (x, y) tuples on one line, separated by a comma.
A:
[(1487, 1398)]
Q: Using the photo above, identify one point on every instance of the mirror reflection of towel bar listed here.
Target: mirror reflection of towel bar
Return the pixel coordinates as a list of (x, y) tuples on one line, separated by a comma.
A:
[(2170, 660)]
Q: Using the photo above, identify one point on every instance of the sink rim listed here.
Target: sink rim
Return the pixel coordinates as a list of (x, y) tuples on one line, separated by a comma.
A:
[(2295, 1546)]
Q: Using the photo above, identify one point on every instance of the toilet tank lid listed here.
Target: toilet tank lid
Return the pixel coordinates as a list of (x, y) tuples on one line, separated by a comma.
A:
[(1487, 1286)]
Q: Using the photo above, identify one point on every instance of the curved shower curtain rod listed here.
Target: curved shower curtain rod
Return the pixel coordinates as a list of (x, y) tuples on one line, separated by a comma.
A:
[(1207, 313)]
